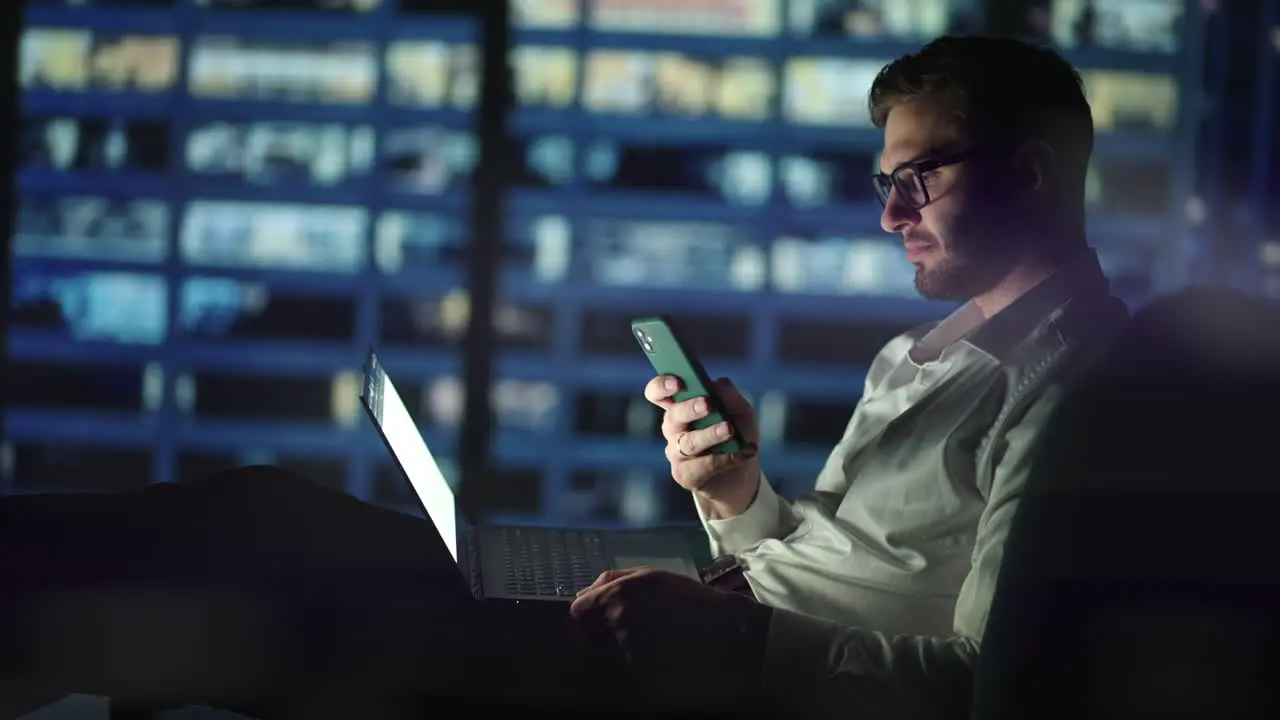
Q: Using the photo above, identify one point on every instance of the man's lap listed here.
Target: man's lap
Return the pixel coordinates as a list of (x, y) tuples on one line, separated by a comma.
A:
[(256, 582)]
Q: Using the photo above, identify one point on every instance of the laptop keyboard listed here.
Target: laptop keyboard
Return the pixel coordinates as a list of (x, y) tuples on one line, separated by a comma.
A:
[(542, 561)]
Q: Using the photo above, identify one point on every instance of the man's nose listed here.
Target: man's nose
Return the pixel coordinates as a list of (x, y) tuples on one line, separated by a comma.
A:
[(898, 217)]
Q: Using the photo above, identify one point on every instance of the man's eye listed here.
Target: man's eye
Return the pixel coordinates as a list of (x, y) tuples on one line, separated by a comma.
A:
[(929, 177)]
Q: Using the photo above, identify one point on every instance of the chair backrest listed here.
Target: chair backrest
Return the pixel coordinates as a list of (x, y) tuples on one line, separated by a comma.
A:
[(1143, 567)]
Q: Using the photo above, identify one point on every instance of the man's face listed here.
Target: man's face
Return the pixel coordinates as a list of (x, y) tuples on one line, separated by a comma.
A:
[(956, 241)]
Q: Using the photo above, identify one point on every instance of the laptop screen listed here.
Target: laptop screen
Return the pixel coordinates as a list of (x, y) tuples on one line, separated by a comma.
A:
[(406, 444)]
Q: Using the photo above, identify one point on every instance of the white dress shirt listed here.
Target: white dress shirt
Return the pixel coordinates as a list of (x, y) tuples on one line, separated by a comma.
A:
[(886, 570)]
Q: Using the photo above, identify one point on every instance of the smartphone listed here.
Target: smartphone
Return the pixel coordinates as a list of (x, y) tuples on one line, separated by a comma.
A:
[(669, 355)]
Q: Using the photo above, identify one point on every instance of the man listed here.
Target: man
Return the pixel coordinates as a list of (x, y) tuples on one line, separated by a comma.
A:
[(879, 581)]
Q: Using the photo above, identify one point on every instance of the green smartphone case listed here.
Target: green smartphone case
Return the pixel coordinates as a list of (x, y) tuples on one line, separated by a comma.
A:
[(669, 355)]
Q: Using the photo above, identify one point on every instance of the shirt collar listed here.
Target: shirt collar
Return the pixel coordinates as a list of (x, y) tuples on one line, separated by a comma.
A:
[(1001, 333)]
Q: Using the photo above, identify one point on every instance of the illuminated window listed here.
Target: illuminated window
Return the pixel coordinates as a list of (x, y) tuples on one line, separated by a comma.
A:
[(1138, 25), (266, 236), (427, 160), (278, 153), (236, 69), (110, 145), (756, 18), (216, 308), (835, 265), (904, 19), (528, 405), (540, 248), (541, 161), (667, 83), (108, 3), (545, 76), (1131, 100), (1129, 186), (406, 240), (432, 74), (672, 254), (353, 6), (715, 172), (91, 306), (829, 91), (141, 64), (92, 228), (55, 59), (442, 320), (544, 14), (827, 177), (79, 61)]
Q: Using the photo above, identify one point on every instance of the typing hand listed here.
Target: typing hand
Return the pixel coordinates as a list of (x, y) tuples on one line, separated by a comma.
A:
[(674, 629)]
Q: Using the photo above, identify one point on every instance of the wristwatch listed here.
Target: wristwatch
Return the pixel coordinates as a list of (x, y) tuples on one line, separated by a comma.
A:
[(718, 568)]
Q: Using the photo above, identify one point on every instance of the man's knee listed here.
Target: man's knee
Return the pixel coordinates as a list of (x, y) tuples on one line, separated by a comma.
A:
[(265, 488), (271, 507), (266, 479)]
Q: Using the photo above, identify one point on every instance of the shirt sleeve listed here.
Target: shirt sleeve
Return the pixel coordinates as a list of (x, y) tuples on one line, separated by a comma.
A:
[(808, 658), (768, 516)]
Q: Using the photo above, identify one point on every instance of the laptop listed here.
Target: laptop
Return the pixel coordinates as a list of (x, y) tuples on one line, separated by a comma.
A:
[(511, 562)]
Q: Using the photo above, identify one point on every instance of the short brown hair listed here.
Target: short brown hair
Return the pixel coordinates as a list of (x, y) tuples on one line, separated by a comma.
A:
[(998, 89)]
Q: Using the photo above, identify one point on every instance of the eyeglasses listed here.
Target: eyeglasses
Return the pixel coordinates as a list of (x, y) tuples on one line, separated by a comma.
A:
[(908, 178)]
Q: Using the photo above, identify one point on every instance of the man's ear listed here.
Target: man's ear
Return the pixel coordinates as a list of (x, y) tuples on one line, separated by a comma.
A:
[(1031, 164)]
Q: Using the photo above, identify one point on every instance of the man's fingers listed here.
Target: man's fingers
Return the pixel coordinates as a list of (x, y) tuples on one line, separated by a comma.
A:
[(660, 390), (684, 444), (609, 576), (676, 420), (585, 602), (591, 597), (692, 463), (679, 415), (683, 413), (694, 473), (671, 431), (697, 442)]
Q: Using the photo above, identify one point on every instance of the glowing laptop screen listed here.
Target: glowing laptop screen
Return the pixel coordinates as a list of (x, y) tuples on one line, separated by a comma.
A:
[(406, 444)]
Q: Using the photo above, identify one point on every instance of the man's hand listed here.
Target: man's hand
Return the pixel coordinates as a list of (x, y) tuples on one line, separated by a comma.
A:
[(724, 483), (676, 630)]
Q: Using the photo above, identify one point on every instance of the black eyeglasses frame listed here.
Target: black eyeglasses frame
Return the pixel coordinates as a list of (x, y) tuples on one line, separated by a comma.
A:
[(885, 183)]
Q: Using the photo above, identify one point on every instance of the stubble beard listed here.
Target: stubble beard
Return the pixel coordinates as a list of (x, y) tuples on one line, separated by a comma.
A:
[(971, 264)]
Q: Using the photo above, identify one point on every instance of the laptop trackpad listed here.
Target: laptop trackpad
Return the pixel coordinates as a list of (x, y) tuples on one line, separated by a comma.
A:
[(659, 562), (661, 550)]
